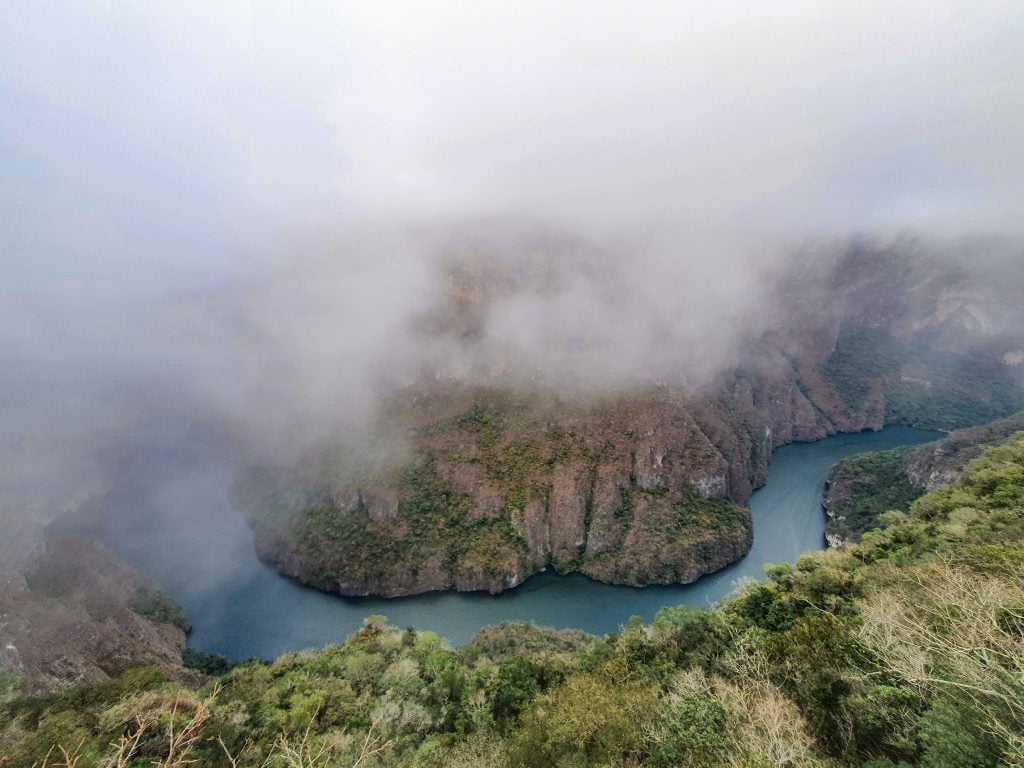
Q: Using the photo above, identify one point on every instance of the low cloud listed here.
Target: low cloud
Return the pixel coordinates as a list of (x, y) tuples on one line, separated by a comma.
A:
[(270, 215)]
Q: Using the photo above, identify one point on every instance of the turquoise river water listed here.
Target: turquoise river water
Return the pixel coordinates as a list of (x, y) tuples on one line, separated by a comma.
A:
[(169, 514)]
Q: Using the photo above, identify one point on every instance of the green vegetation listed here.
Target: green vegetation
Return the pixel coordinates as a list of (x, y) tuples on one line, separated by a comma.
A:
[(922, 387), (866, 486), (484, 421), (158, 607), (858, 360), (670, 536), (697, 512), (432, 524), (207, 663), (483, 480), (9, 684), (904, 650)]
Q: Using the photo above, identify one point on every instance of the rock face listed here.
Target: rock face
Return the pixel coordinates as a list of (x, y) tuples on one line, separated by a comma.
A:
[(864, 487), (78, 613), (861, 489), (502, 479), (630, 490), (941, 463)]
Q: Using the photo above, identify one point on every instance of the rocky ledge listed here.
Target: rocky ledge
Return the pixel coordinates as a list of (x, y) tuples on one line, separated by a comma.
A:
[(79, 613)]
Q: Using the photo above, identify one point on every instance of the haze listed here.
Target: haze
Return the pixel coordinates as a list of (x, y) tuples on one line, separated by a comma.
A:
[(245, 212)]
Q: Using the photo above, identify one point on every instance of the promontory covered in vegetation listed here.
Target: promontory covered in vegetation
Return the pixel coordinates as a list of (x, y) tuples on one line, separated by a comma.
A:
[(479, 487)]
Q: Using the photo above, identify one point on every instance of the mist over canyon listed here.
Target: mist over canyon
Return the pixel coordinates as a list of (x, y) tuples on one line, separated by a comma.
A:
[(414, 300)]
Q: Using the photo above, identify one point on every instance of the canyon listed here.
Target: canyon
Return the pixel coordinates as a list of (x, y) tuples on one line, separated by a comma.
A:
[(494, 481)]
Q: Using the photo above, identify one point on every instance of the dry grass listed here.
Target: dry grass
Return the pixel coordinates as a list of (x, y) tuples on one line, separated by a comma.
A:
[(955, 632)]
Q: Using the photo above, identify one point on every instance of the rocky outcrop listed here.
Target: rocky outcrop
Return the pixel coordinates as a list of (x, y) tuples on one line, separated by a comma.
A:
[(501, 488), (861, 489), (502, 479), (78, 613), (941, 463)]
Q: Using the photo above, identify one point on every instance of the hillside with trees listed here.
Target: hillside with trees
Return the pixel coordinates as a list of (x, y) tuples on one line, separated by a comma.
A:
[(905, 649)]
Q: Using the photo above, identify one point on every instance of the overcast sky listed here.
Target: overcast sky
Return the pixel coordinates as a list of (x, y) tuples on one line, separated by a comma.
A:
[(189, 136)]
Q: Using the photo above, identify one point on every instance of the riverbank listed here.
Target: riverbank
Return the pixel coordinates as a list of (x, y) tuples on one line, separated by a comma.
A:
[(239, 607), (881, 637)]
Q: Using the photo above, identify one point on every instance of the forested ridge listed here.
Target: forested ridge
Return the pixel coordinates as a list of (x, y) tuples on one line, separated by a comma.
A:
[(906, 649)]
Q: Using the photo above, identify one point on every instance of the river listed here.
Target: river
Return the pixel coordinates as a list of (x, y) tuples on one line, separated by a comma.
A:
[(197, 546)]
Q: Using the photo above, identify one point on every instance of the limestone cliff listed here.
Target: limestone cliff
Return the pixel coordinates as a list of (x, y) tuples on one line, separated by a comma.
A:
[(78, 613), (630, 490), (498, 480), (862, 488)]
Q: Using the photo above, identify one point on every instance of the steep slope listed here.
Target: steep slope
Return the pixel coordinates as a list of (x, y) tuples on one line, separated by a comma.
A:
[(630, 490), (494, 481), (70, 609), (79, 613), (862, 488)]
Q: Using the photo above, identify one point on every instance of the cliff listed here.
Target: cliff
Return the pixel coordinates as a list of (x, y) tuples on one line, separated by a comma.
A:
[(495, 481), (862, 489), (78, 613), (630, 490)]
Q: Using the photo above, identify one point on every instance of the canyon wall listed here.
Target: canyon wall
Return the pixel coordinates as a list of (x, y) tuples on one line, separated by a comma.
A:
[(500, 481)]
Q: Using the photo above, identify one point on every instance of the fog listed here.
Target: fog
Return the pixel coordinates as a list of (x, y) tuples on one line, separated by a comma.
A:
[(266, 215)]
